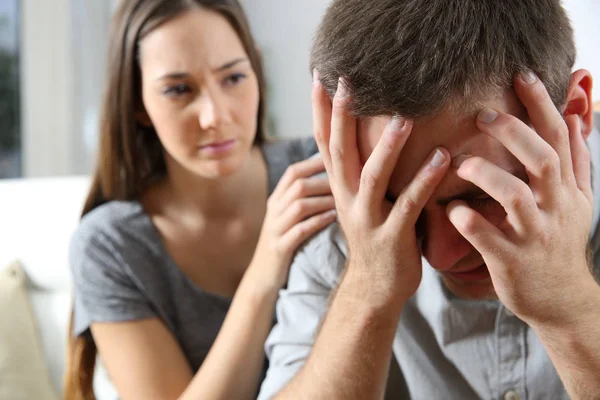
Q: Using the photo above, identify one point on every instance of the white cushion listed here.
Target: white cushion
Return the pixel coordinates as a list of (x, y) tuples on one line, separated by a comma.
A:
[(37, 219), (23, 369)]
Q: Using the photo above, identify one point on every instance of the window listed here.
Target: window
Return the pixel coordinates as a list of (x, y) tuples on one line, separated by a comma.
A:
[(10, 143)]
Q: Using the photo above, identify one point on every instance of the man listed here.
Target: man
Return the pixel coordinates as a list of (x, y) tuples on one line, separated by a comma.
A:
[(455, 147)]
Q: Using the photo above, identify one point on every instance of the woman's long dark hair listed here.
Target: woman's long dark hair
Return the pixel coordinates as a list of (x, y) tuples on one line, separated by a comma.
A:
[(130, 155)]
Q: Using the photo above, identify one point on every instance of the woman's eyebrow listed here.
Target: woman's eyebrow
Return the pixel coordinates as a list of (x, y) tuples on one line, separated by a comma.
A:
[(231, 64), (183, 75)]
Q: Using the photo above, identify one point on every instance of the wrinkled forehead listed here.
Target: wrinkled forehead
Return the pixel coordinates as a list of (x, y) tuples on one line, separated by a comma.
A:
[(453, 128)]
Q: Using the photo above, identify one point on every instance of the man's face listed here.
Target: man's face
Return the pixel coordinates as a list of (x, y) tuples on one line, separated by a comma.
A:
[(459, 264)]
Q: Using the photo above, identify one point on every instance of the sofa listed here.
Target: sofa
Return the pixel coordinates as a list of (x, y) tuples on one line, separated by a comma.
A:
[(37, 219)]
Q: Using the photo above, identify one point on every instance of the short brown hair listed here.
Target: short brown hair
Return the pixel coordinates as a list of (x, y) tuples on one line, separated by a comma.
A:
[(414, 57)]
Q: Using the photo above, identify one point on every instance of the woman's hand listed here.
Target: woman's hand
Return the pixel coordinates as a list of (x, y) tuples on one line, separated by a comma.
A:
[(300, 206)]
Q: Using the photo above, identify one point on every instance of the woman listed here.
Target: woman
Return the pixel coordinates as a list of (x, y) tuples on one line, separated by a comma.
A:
[(179, 254)]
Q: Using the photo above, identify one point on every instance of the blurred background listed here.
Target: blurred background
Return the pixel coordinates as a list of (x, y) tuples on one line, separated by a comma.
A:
[(52, 60)]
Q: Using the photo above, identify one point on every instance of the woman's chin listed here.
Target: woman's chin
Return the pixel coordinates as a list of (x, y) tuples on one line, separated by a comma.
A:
[(221, 168)]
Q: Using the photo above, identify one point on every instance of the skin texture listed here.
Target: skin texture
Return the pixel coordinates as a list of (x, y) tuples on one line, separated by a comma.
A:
[(537, 221), (198, 89)]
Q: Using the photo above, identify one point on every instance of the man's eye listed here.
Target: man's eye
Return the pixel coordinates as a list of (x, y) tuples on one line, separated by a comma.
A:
[(234, 79), (177, 90), (483, 202)]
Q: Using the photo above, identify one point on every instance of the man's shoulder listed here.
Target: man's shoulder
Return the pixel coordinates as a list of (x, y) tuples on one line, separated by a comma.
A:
[(323, 257)]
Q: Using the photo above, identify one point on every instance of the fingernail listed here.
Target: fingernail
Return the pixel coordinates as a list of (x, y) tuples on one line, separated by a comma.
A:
[(438, 159), (331, 213), (528, 77), (487, 115), (315, 77), (342, 90), (458, 160), (397, 122)]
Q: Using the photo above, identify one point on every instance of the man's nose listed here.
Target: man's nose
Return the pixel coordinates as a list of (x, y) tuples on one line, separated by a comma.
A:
[(443, 246)]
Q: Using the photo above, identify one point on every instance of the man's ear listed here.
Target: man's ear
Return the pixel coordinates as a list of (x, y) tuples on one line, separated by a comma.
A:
[(579, 100)]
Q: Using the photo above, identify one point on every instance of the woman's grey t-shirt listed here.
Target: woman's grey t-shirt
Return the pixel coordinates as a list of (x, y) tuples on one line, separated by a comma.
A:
[(122, 271)]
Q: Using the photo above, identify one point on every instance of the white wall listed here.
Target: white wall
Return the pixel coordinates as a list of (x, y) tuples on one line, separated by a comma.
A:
[(46, 88), (284, 31), (63, 61), (585, 16), (62, 77)]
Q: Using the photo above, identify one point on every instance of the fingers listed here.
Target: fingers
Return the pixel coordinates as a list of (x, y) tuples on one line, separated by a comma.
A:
[(302, 231), (478, 231), (302, 209), (538, 157), (581, 158), (343, 149), (305, 187), (321, 110), (545, 118), (410, 203), (294, 172), (378, 169), (511, 192)]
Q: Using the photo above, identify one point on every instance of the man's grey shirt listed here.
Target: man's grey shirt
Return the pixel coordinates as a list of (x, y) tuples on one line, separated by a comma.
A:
[(445, 347)]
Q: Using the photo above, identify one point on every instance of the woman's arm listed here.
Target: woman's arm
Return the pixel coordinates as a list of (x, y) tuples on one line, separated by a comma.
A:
[(144, 359)]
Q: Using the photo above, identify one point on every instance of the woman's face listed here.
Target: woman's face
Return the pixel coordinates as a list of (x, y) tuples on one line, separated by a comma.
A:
[(200, 93)]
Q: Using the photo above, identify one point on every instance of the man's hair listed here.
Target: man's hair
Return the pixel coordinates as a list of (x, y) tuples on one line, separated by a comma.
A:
[(414, 57)]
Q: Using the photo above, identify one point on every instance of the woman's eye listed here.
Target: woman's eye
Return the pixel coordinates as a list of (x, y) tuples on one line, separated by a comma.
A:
[(234, 79), (177, 90), (483, 202)]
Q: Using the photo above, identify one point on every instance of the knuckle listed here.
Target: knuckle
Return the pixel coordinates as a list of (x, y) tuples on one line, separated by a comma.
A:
[(474, 166), (538, 93), (469, 224), (512, 127), (300, 188), (548, 163), (369, 179), (516, 196), (340, 105), (302, 231), (408, 205), (299, 207), (424, 180), (293, 171), (297, 233), (336, 152), (586, 156), (559, 132)]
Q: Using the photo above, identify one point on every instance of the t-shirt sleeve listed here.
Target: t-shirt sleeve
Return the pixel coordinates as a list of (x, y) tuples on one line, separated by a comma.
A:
[(104, 288), (283, 153), (300, 309)]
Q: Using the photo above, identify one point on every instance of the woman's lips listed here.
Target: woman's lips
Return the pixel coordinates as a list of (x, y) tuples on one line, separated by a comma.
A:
[(480, 273), (218, 148)]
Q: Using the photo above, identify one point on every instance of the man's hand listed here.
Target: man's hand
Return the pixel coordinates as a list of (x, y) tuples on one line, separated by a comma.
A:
[(351, 355), (381, 236), (537, 257)]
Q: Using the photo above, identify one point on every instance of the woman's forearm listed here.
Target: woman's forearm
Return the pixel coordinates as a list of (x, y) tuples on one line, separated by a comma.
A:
[(233, 367)]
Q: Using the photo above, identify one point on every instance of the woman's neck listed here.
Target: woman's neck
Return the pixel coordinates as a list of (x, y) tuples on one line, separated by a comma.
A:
[(187, 194)]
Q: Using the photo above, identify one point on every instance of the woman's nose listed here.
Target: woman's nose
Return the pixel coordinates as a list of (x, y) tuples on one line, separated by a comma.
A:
[(214, 112)]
